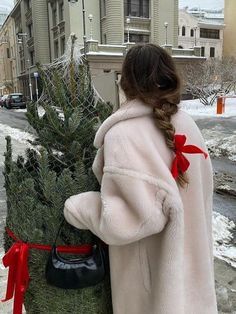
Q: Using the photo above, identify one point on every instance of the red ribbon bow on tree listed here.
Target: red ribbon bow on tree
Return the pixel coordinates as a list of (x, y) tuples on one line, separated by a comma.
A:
[(17, 260), (180, 162)]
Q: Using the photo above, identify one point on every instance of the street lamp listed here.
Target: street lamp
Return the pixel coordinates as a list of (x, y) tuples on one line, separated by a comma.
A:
[(90, 17), (128, 23), (20, 37), (36, 75), (195, 36), (166, 27), (84, 27)]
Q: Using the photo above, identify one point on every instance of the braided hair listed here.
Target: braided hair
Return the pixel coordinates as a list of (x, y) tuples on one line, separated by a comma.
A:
[(149, 74)]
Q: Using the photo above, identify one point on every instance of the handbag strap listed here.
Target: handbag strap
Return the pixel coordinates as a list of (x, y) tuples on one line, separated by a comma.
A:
[(59, 231)]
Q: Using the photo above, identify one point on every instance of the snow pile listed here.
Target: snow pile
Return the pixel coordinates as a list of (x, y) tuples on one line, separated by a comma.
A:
[(223, 239), (196, 108), (16, 134), (220, 144)]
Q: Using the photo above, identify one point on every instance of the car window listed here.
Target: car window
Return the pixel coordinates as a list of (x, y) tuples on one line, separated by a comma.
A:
[(16, 96)]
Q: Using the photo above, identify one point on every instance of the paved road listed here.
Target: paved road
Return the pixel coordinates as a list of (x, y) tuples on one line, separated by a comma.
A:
[(13, 118)]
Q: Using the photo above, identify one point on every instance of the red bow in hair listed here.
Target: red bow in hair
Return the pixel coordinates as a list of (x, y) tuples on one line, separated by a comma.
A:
[(181, 162)]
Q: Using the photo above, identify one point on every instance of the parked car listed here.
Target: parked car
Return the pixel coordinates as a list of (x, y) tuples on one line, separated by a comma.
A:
[(15, 100), (3, 100)]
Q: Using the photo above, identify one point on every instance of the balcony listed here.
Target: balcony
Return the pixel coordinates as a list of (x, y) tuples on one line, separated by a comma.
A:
[(61, 27), (55, 31), (138, 25), (28, 15), (30, 41)]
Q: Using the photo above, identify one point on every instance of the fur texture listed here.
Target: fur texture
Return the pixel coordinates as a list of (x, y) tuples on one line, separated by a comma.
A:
[(159, 236)]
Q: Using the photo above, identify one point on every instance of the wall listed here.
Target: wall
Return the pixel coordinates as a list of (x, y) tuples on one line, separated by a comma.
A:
[(189, 21), (229, 45)]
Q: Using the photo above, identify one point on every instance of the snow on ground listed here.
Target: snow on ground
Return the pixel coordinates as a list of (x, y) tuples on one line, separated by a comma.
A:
[(218, 143), (223, 238), (16, 134), (195, 108), (19, 141)]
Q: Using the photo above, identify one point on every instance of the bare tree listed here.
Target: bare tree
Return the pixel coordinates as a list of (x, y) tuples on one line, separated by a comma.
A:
[(206, 80)]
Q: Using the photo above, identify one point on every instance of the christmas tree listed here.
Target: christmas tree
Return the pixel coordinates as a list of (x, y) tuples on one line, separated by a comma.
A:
[(57, 166)]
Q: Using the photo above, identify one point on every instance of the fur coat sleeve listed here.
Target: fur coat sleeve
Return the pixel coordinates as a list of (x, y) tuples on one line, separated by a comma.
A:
[(132, 204)]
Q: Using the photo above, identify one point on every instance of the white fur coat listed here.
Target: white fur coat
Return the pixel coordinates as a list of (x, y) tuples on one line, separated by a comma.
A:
[(159, 236)]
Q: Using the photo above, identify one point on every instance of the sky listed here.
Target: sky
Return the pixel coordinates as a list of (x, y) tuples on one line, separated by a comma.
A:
[(7, 4), (204, 4)]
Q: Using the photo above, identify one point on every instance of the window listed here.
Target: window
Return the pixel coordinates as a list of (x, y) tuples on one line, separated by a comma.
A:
[(28, 4), (191, 32), (202, 51), (103, 8), (63, 45), (212, 52), (56, 49), (183, 30), (32, 58), (54, 16), (22, 65), (210, 33), (61, 11), (104, 39), (8, 53), (137, 38), (139, 8), (30, 30)]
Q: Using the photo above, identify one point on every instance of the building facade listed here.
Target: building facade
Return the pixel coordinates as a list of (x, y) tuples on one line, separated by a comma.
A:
[(110, 22), (43, 27), (229, 45), (203, 29), (8, 63), (32, 38)]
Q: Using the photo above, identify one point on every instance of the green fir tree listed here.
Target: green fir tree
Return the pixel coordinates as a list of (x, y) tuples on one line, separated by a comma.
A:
[(58, 166)]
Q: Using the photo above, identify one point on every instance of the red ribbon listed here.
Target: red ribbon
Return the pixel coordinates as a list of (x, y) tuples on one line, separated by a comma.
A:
[(180, 162), (17, 260)]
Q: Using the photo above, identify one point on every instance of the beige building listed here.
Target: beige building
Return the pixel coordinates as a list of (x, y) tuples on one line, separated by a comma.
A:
[(43, 27), (32, 37), (203, 29), (106, 21), (8, 65), (229, 45)]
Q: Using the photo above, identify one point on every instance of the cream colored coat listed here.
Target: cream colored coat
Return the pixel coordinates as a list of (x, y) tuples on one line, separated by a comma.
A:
[(159, 236)]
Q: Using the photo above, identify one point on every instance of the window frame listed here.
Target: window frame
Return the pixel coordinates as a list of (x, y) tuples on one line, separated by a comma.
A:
[(141, 8), (212, 49), (209, 33)]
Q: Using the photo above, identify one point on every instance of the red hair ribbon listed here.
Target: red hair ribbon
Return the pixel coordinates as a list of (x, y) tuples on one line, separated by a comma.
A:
[(17, 260), (180, 162)]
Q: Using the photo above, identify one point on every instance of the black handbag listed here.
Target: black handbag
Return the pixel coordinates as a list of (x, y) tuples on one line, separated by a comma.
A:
[(76, 273)]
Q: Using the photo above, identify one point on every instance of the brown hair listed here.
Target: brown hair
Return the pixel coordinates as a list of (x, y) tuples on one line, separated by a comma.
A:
[(149, 74)]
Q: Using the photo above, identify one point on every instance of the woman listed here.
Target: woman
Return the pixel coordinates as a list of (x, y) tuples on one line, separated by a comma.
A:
[(155, 206)]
